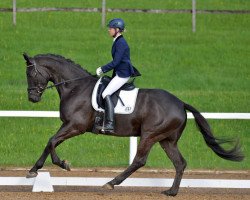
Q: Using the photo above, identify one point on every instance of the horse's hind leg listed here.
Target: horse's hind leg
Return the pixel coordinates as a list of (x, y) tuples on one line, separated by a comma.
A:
[(139, 161), (172, 151)]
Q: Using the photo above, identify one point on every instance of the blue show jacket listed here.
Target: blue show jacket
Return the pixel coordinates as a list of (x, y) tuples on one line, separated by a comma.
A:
[(121, 59)]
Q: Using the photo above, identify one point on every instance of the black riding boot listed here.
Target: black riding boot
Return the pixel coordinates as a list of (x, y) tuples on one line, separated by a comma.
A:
[(108, 116)]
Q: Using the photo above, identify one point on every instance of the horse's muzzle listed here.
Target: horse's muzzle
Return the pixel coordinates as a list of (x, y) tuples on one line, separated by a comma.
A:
[(34, 98)]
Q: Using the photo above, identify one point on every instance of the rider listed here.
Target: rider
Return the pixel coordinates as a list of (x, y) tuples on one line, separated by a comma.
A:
[(122, 70)]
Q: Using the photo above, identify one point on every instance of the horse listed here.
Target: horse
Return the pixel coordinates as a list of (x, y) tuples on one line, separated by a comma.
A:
[(159, 116)]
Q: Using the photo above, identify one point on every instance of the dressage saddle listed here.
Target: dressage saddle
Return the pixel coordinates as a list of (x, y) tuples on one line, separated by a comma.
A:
[(115, 97)]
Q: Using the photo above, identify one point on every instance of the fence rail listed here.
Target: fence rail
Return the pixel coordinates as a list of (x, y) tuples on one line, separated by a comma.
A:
[(13, 113), (45, 9)]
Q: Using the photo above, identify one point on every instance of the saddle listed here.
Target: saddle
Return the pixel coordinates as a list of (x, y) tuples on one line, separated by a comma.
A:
[(115, 97)]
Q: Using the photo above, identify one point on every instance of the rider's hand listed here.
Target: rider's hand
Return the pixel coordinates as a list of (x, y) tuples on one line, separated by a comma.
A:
[(99, 71)]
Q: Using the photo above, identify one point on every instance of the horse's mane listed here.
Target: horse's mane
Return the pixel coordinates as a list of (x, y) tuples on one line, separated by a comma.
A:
[(60, 58)]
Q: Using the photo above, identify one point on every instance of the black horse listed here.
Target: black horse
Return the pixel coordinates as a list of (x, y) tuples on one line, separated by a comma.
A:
[(158, 117)]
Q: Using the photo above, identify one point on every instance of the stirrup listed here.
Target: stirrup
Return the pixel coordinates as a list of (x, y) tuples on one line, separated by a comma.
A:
[(98, 124), (108, 128), (107, 131)]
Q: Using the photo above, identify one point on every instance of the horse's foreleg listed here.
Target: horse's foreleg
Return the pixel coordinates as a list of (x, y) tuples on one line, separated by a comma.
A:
[(39, 164), (65, 132), (172, 151), (138, 162), (55, 141)]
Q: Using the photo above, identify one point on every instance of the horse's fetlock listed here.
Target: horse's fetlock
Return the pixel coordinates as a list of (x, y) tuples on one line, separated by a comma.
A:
[(56, 162)]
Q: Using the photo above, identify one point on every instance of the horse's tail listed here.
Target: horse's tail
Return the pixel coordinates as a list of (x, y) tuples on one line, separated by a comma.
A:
[(233, 154)]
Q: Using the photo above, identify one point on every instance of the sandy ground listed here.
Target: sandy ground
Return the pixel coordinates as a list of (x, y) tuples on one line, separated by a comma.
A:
[(125, 193)]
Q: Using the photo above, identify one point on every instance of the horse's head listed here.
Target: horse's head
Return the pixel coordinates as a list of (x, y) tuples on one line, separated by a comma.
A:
[(37, 79)]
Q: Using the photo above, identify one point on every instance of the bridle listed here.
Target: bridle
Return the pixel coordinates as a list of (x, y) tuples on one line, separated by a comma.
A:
[(39, 89)]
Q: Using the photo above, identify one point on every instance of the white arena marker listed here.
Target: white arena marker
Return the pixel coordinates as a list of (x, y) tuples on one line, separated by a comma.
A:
[(79, 181), (215, 183), (16, 181), (151, 182), (42, 183)]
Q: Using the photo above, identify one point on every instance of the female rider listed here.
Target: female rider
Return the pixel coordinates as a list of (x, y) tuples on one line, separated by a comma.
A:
[(122, 70)]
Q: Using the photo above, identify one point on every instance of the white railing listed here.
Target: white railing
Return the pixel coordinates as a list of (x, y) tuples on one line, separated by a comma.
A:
[(207, 115), (44, 182), (133, 140)]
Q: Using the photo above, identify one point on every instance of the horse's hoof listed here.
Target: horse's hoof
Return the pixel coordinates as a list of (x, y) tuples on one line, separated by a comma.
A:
[(169, 193), (108, 186), (31, 174), (66, 165)]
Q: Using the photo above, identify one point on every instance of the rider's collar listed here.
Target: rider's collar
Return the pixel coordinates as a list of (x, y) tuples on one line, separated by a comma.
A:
[(118, 35)]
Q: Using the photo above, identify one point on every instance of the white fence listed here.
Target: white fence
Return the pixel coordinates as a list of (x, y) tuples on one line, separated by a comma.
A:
[(44, 182), (133, 140), (207, 115)]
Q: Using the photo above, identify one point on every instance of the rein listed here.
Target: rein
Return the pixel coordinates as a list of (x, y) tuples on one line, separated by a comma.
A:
[(63, 82)]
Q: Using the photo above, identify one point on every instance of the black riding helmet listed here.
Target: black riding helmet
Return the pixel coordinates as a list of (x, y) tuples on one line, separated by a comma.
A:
[(117, 23)]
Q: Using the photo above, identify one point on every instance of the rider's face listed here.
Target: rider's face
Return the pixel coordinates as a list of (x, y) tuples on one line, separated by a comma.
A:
[(111, 31)]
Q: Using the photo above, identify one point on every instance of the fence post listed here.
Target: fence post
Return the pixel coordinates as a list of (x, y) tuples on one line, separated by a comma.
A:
[(132, 148), (193, 15), (103, 12), (14, 12)]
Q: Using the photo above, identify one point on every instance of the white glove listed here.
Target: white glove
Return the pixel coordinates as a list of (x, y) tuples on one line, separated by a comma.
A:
[(99, 71)]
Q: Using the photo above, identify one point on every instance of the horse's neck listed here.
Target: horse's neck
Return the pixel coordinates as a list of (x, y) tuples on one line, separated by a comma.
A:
[(60, 74)]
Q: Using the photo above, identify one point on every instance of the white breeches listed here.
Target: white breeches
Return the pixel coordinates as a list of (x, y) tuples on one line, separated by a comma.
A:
[(115, 84)]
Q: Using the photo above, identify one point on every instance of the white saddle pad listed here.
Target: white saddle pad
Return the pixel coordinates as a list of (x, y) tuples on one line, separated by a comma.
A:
[(128, 98)]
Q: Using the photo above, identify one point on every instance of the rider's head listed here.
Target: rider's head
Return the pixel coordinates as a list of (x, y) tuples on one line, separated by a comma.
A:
[(116, 26)]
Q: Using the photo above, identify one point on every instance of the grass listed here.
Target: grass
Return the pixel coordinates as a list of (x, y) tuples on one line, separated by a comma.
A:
[(208, 69)]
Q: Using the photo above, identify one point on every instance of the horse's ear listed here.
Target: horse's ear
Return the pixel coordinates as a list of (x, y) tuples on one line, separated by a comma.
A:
[(27, 58)]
